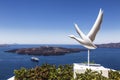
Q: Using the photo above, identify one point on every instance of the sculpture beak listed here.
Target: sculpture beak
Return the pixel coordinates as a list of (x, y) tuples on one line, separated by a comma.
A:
[(71, 36)]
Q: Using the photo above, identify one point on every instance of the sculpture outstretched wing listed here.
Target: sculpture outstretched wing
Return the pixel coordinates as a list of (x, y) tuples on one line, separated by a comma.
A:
[(81, 34), (96, 26)]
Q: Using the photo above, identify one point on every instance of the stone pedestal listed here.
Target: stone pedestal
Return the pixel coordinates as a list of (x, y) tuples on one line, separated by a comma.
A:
[(81, 68)]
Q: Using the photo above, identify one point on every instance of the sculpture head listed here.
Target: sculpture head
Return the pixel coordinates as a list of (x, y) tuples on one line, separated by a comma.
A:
[(72, 36)]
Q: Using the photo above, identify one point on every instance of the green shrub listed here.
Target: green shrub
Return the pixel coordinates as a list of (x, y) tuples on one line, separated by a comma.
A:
[(90, 75), (45, 72), (62, 72), (114, 75)]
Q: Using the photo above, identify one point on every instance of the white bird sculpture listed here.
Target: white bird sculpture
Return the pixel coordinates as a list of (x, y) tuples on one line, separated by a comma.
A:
[(87, 40)]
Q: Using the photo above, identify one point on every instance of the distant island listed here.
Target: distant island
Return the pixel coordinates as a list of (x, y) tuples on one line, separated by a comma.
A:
[(109, 45), (46, 50), (4, 45)]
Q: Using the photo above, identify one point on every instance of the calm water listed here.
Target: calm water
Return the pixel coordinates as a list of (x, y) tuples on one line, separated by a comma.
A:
[(107, 57)]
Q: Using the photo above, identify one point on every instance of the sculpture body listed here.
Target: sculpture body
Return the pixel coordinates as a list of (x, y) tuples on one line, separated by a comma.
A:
[(87, 40)]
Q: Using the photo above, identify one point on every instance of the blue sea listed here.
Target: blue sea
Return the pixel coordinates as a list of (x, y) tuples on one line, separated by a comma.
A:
[(107, 57)]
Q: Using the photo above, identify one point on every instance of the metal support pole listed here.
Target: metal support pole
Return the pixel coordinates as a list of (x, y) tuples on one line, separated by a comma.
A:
[(88, 57)]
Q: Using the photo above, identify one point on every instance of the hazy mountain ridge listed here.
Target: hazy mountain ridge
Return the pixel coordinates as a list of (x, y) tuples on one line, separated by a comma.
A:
[(109, 45)]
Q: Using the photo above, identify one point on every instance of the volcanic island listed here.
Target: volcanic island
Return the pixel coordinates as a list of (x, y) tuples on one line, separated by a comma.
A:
[(46, 50)]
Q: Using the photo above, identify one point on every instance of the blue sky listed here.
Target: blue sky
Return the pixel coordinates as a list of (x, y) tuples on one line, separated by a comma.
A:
[(51, 21)]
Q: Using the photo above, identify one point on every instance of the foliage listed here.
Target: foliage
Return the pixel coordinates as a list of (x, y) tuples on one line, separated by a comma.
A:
[(90, 75), (61, 72), (91, 62), (114, 75), (45, 72)]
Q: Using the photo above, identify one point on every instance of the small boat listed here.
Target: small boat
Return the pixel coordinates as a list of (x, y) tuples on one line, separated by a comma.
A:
[(35, 59)]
